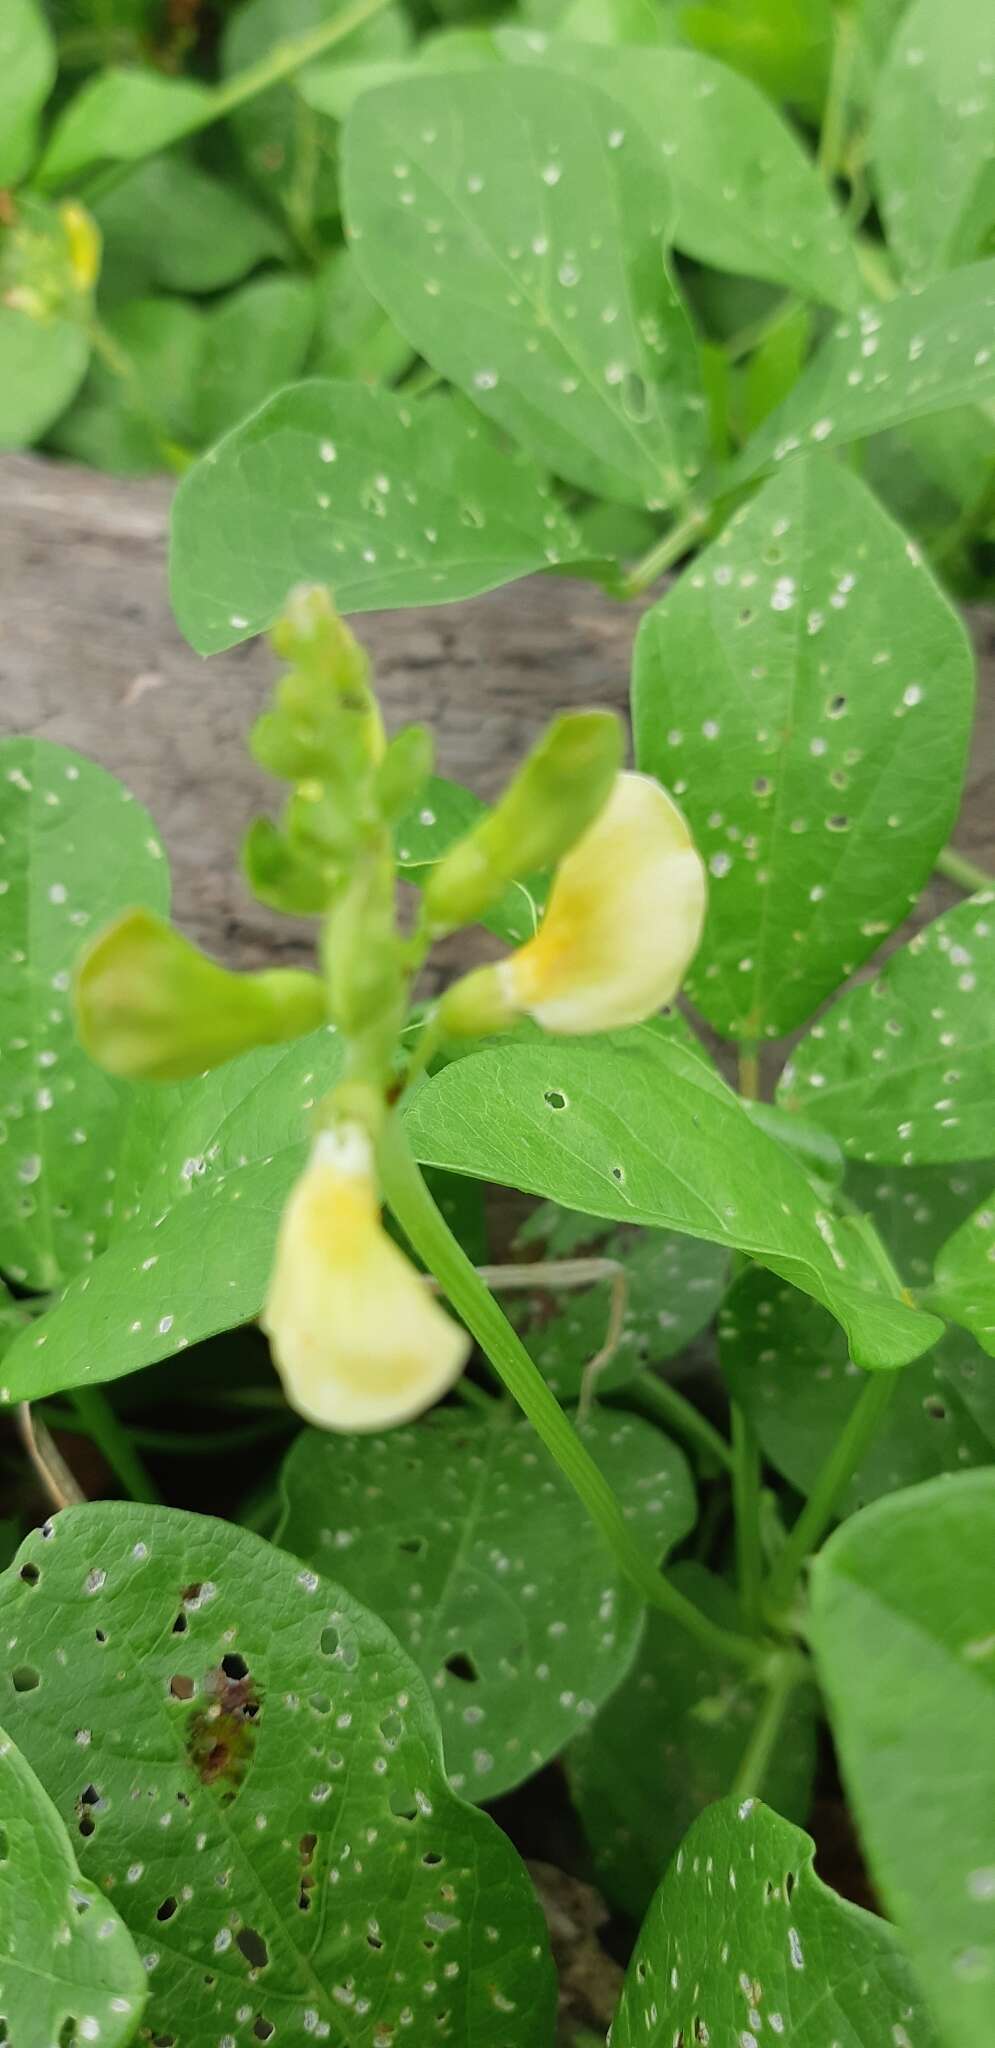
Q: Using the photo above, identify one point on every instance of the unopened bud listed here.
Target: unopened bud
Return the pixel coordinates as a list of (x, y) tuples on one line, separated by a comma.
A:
[(287, 877), (361, 951), (476, 1006), (555, 796), (150, 1006)]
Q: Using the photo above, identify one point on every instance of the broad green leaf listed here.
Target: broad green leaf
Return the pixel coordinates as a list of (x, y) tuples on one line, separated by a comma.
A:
[(673, 1286), (333, 89), (128, 420), (514, 230), (259, 1772), (466, 1539), (192, 1249), (68, 1967), (182, 228), (76, 848), (746, 197), (390, 503), (938, 87), (255, 340), (120, 115), (42, 364), (786, 1363), (901, 1624), (353, 336), (916, 1209), (923, 352), (669, 1742), (743, 1942), (638, 1129), (27, 75), (902, 1068), (784, 45), (838, 685), (965, 1276)]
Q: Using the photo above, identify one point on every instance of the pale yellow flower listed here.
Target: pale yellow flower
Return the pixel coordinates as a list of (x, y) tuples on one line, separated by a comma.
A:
[(623, 920), (358, 1341)]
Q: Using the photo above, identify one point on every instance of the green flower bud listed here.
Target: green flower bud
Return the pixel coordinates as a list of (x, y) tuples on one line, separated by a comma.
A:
[(152, 1007), (556, 795), (361, 952), (286, 877), (477, 1006), (404, 771)]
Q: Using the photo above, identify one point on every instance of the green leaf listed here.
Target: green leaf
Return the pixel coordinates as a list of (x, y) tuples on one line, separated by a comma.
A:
[(353, 336), (670, 1741), (177, 226), (468, 1541), (916, 1209), (742, 1936), (260, 1771), (746, 196), (41, 365), (255, 340), (965, 1276), (638, 1129), (825, 779), (118, 116), (68, 1968), (27, 75), (514, 233), (129, 414), (923, 352), (938, 82), (390, 503), (901, 1624), (903, 1068), (784, 45), (786, 1364), (76, 849), (445, 812), (193, 1247), (673, 1286)]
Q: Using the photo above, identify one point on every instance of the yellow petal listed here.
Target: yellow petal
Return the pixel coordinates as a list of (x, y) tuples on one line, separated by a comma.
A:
[(623, 920), (358, 1341)]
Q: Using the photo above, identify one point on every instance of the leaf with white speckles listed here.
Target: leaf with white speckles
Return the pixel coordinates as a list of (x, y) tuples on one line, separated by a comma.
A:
[(198, 1220), (916, 1209), (259, 1782), (903, 1068), (514, 230), (786, 1364), (469, 1542), (390, 503), (638, 1129), (68, 1967), (744, 1943), (74, 849), (938, 81), (965, 1275), (922, 352), (839, 686), (670, 1741), (747, 197), (903, 1628)]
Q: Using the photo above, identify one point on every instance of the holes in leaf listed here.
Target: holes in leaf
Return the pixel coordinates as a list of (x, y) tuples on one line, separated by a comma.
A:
[(4, 1845), (24, 1678), (635, 396), (835, 707), (432, 1859), (701, 2033), (373, 1941), (89, 1803), (762, 785), (838, 822), (165, 1910), (414, 1546), (392, 1729), (100, 1635), (234, 1666), (789, 1885), (262, 2028), (640, 1972), (181, 1624), (221, 1735), (461, 1665), (403, 1804), (252, 1946), (181, 1686), (618, 1173), (935, 1407), (305, 1849), (319, 1703), (329, 1642), (554, 1098), (67, 2035), (30, 1573)]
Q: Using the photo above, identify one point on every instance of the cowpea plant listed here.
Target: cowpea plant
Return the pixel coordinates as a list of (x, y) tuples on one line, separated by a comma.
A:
[(263, 1762)]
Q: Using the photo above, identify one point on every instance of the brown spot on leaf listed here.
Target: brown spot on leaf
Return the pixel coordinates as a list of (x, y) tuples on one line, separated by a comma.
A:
[(221, 1735)]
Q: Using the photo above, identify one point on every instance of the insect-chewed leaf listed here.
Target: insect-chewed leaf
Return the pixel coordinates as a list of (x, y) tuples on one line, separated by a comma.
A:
[(670, 1741), (254, 1768), (903, 1068), (640, 1130), (513, 228), (965, 1275), (76, 848), (68, 1967), (838, 685), (743, 1941), (923, 352), (469, 1542), (204, 1174), (902, 1629), (786, 1364), (746, 197), (388, 502), (939, 81)]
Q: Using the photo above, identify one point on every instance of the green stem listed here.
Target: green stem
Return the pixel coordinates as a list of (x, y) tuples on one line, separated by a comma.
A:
[(746, 1505), (430, 1236), (844, 1460), (831, 139), (121, 365), (749, 1073), (966, 873), (667, 551), (657, 1398), (98, 1421), (755, 1763)]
